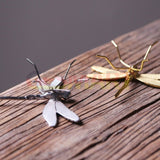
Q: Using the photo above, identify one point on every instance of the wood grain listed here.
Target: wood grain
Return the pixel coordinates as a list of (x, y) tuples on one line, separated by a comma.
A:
[(127, 127)]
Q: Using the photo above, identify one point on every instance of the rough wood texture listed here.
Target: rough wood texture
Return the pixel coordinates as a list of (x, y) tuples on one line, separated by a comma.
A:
[(124, 128)]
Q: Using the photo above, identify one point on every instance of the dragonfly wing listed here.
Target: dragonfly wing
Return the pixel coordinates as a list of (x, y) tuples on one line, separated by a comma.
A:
[(149, 81), (152, 76), (49, 113), (65, 112), (107, 76), (41, 85), (103, 70), (56, 82)]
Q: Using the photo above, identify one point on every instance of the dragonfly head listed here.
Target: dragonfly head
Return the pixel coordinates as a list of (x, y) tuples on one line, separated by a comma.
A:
[(132, 73)]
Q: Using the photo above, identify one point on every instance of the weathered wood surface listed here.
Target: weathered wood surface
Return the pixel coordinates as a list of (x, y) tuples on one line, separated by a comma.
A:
[(124, 128)]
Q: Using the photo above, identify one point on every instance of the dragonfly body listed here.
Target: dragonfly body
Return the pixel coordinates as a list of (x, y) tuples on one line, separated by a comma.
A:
[(132, 72), (54, 94)]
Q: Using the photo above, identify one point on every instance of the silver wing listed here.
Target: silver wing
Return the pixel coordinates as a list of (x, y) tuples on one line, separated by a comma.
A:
[(49, 113), (56, 82), (42, 86), (65, 112)]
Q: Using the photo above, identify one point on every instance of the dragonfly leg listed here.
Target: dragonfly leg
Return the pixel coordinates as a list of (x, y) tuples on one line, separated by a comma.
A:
[(112, 65), (145, 58), (120, 59)]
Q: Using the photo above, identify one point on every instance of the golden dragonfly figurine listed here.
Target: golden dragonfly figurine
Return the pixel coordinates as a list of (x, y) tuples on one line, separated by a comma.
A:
[(132, 72)]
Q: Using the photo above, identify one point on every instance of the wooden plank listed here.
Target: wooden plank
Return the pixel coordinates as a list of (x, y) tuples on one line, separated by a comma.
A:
[(127, 127)]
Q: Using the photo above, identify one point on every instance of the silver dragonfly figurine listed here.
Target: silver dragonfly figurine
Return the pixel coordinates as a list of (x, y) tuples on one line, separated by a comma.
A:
[(54, 94)]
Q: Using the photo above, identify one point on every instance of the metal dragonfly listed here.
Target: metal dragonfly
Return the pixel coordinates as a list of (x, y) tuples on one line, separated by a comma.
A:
[(54, 94), (132, 72)]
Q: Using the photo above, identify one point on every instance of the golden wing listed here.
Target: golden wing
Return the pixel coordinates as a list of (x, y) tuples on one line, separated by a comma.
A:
[(150, 79), (152, 76), (106, 74), (104, 70)]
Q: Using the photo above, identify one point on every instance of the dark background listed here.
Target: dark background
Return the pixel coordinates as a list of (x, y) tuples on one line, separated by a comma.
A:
[(53, 31)]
